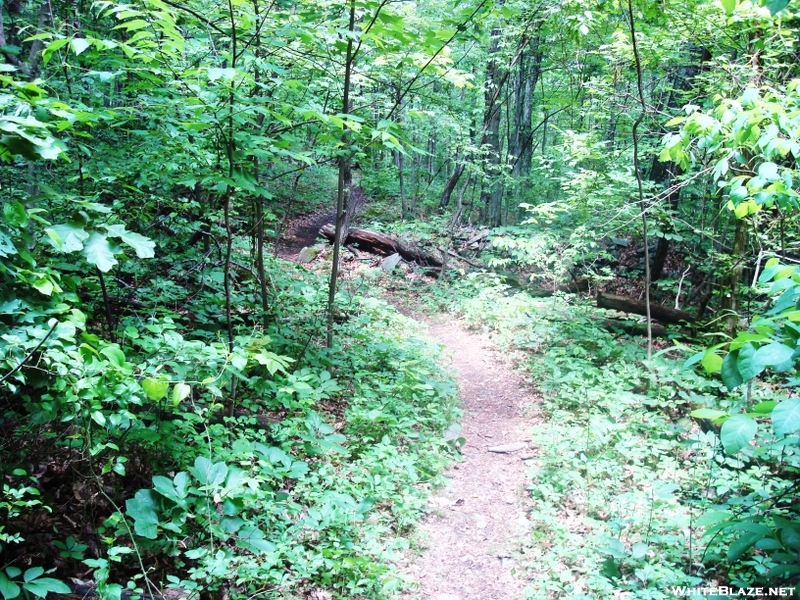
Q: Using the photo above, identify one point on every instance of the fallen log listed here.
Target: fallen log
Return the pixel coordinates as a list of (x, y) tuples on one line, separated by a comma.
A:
[(639, 307), (385, 244), (633, 328)]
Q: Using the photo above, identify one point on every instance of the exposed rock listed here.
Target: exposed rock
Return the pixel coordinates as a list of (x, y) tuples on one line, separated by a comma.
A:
[(390, 262), (508, 448), (307, 254)]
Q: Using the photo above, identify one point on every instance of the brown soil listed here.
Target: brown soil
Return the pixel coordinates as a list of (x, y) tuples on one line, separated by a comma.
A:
[(477, 522), (303, 231)]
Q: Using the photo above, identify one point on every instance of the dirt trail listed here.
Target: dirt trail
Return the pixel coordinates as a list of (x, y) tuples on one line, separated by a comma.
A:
[(477, 522)]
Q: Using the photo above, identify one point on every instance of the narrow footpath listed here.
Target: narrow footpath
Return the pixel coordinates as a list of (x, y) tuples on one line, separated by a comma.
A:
[(476, 524), (468, 546)]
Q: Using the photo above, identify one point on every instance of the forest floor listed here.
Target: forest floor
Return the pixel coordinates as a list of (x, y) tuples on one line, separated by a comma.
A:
[(467, 547)]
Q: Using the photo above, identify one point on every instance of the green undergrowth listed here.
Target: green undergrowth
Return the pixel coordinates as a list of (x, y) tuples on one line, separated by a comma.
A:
[(267, 470), (627, 491)]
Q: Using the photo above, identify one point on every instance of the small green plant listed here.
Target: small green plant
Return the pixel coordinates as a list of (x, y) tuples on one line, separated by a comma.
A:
[(70, 548), (14, 582)]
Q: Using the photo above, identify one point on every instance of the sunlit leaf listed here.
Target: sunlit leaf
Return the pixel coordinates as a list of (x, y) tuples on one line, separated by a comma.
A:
[(786, 417), (737, 432)]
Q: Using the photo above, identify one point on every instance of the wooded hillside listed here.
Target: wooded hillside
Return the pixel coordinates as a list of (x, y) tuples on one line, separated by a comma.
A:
[(185, 409)]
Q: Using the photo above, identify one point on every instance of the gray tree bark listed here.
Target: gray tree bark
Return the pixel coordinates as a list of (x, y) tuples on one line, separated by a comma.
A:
[(491, 194), (524, 87)]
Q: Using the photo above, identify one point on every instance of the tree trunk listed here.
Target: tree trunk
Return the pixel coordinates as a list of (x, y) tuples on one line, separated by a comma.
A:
[(400, 158), (730, 301), (35, 54), (431, 167), (11, 58), (491, 195), (525, 86), (664, 173), (401, 176), (450, 186), (343, 191)]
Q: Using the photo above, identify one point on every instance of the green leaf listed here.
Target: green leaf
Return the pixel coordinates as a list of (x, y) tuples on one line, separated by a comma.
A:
[(786, 417), (712, 362), (133, 25), (8, 588), (181, 482), (610, 570), (116, 357), (737, 432), (775, 6), (713, 517), (43, 285), (674, 121), (53, 47), (730, 372), (751, 527), (768, 171), (143, 246), (728, 5), (79, 45), (44, 585), (142, 509), (15, 214), (180, 392), (32, 573), (771, 355), (253, 539), (214, 74), (201, 468), (100, 252), (217, 473), (99, 418), (7, 247), (298, 469), (615, 548), (764, 408), (750, 95), (208, 473), (155, 389), (744, 362), (453, 432), (165, 487), (708, 413), (742, 545), (67, 237), (238, 361), (783, 572)]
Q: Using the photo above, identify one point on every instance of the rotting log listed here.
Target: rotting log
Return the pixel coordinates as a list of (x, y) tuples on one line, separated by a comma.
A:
[(633, 328), (639, 307), (386, 244)]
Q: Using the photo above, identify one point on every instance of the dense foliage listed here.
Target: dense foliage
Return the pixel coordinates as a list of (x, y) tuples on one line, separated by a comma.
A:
[(181, 408)]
